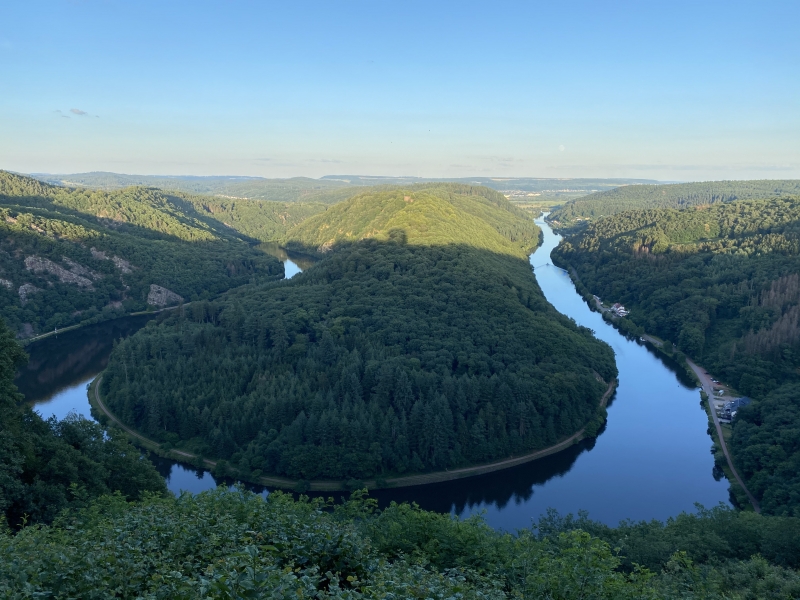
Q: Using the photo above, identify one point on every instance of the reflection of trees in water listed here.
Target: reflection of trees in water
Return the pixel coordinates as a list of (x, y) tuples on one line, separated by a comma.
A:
[(673, 366), (301, 260), (496, 488), (61, 361), (165, 466)]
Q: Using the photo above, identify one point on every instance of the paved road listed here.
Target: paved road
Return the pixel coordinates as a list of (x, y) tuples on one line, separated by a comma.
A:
[(130, 431), (708, 388)]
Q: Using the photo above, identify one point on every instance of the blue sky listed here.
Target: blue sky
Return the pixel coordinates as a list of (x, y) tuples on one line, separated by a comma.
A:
[(665, 90)]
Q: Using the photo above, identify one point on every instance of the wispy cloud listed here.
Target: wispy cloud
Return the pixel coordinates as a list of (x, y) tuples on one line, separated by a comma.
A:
[(78, 111)]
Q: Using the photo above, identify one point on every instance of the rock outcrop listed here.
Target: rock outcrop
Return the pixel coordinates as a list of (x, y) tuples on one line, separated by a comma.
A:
[(122, 264), (161, 296), (25, 290), (43, 265), (79, 269)]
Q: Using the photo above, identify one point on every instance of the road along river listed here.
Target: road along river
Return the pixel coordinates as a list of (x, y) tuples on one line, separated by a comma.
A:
[(651, 461)]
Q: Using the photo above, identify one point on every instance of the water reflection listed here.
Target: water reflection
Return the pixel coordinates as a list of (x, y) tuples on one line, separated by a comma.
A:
[(293, 263), (66, 361), (60, 368)]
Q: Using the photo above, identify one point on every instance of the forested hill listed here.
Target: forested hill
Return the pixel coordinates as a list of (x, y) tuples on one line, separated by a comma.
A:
[(70, 256), (423, 347), (722, 283), (295, 189), (679, 195), (427, 214)]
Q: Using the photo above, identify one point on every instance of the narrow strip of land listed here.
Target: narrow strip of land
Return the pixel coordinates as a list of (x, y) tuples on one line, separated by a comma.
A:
[(439, 476), (36, 338), (406, 481), (708, 388)]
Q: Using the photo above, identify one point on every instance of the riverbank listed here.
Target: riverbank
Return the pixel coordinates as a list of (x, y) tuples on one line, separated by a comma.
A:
[(738, 488), (107, 416), (30, 340), (708, 388)]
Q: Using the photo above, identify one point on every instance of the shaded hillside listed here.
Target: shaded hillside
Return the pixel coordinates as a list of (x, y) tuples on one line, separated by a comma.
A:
[(722, 283), (679, 195), (424, 346), (257, 219), (72, 256)]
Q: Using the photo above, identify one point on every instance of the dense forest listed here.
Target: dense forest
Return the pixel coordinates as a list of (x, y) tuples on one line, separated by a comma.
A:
[(722, 283), (678, 195), (257, 219), (73, 256), (411, 350), (234, 544)]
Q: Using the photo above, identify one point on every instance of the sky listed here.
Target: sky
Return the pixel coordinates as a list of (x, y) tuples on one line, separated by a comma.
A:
[(677, 91)]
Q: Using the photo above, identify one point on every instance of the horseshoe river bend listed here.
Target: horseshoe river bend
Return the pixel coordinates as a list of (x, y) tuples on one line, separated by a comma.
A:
[(652, 460)]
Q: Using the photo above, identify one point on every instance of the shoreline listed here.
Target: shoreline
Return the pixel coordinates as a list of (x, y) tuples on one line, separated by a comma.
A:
[(705, 384), (320, 485), (692, 369), (43, 336)]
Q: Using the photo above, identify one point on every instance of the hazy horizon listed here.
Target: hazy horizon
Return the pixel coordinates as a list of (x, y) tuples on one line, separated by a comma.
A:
[(679, 91)]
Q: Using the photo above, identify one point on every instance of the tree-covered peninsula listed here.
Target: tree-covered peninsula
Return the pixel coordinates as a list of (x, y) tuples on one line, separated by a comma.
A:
[(722, 283), (419, 342), (70, 256)]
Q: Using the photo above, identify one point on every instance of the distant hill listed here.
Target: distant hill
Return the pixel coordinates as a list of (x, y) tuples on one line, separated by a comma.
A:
[(678, 195), (426, 214), (331, 188), (70, 256), (297, 189), (546, 185)]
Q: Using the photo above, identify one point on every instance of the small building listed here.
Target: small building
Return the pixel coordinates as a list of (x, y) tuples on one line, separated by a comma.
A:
[(619, 310), (730, 408)]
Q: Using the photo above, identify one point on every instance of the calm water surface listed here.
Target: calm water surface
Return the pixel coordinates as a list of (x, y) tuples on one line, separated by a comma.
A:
[(652, 460)]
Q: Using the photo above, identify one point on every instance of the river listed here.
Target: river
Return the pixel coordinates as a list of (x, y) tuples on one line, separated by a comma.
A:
[(651, 461)]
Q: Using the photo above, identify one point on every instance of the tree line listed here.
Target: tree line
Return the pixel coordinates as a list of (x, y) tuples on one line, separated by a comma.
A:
[(676, 195)]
